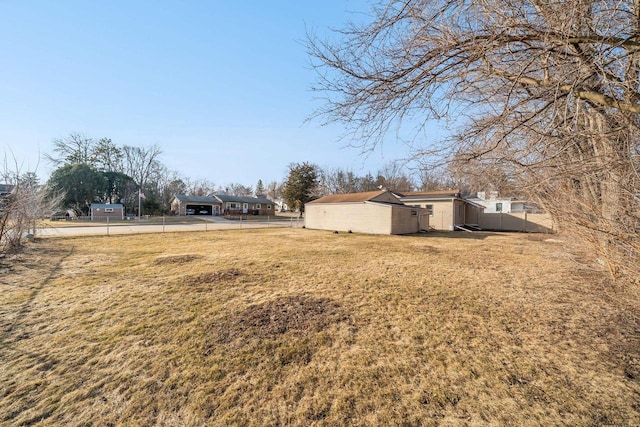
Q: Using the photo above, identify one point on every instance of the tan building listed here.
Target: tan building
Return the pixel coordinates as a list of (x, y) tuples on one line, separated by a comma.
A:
[(447, 209), (450, 211), (373, 212)]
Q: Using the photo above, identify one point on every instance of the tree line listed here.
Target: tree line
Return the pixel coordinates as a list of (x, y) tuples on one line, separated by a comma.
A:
[(92, 170), (100, 171)]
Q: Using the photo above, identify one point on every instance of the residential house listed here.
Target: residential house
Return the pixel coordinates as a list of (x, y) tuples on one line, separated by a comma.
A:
[(373, 212), (240, 205), (221, 204), (5, 193), (494, 203), (6, 189)]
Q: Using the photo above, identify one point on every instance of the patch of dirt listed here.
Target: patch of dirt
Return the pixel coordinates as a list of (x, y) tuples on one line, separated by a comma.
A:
[(175, 259), (212, 277), (426, 248), (297, 314)]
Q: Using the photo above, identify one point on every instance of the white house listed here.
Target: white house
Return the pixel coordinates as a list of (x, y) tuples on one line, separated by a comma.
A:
[(494, 203)]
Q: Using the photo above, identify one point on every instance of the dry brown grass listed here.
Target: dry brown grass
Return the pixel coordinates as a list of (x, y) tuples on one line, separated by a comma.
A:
[(299, 327)]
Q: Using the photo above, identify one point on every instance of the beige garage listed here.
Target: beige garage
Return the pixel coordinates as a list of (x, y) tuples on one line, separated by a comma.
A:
[(373, 212)]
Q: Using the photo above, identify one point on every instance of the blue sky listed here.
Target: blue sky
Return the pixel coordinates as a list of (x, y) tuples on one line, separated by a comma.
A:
[(222, 87)]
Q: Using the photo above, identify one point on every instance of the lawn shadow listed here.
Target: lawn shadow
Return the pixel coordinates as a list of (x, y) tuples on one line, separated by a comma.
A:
[(25, 309), (474, 235)]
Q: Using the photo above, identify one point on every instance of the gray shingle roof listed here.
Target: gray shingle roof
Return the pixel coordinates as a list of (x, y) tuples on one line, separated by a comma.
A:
[(239, 199), (349, 197), (222, 198), (197, 199)]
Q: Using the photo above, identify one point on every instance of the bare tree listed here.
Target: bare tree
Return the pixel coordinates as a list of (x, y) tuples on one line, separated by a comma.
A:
[(140, 163), (237, 189), (72, 149), (549, 88), (22, 203), (200, 187), (274, 190), (337, 181), (341, 181), (472, 176), (166, 184), (433, 179), (393, 177)]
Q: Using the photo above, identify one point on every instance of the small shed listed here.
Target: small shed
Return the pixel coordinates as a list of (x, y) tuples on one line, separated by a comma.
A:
[(102, 211), (372, 212)]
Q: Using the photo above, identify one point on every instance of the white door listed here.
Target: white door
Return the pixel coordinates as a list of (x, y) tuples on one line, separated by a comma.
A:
[(245, 208)]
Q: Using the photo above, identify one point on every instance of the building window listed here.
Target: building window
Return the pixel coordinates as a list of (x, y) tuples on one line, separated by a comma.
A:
[(108, 209), (232, 206), (498, 207), (258, 206)]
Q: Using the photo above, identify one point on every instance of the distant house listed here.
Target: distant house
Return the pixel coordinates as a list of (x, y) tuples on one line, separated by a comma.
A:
[(182, 204), (494, 203), (102, 211), (373, 212), (281, 205), (241, 205), (221, 204), (6, 189), (5, 193), (447, 209)]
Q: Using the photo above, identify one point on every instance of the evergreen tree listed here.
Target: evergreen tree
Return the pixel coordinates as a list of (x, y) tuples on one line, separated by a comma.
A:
[(300, 185), (259, 188)]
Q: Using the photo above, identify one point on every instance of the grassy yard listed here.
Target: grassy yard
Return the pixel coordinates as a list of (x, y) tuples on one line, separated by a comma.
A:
[(300, 327)]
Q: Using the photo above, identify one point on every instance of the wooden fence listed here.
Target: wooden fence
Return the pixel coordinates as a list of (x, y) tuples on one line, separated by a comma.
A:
[(522, 221)]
